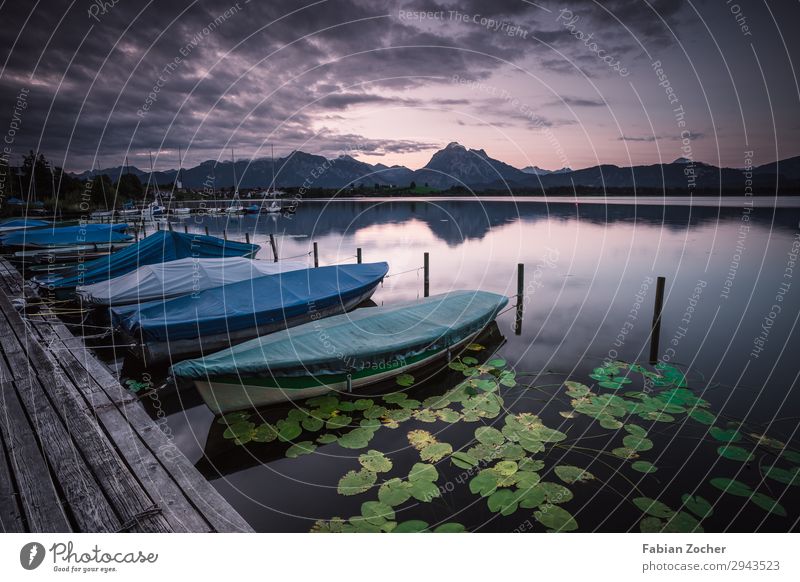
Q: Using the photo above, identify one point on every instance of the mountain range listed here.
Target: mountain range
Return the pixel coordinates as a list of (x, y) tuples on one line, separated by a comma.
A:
[(455, 166)]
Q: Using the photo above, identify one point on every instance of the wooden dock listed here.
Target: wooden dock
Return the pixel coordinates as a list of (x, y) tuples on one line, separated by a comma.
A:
[(78, 452)]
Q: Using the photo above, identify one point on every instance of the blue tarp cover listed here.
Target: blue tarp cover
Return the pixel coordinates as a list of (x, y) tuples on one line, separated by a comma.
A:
[(23, 222), (68, 235), (160, 247), (248, 304), (365, 338)]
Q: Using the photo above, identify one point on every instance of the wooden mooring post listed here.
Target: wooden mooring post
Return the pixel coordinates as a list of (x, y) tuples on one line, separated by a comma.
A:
[(655, 331), (520, 299), (274, 247), (186, 229), (206, 230), (358, 255), (426, 275), (316, 256)]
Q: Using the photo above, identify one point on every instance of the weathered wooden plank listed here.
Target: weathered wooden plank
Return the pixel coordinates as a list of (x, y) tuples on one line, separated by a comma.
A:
[(177, 508), (216, 510), (39, 498), (11, 519)]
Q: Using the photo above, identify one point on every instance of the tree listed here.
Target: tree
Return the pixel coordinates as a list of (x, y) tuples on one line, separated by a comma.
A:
[(413, 185), (102, 192), (130, 186)]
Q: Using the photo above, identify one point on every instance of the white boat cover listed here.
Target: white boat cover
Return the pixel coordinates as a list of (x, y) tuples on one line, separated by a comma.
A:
[(180, 277)]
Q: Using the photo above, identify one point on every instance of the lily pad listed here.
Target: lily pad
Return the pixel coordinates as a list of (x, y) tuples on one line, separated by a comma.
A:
[(532, 497), (506, 468), (394, 492), (725, 435), (411, 526), (435, 452), (637, 443), (375, 461), (653, 507), (405, 380), (264, 433), (569, 474), (450, 527), (301, 448), (644, 467), (731, 486), (503, 501), (768, 504), (555, 493), (682, 522), (556, 518), (484, 483), (697, 505), (358, 438), (475, 347), (489, 435), (288, 430), (651, 524), (735, 453), (702, 416), (355, 482), (424, 491), (463, 460), (783, 475), (376, 512), (423, 472)]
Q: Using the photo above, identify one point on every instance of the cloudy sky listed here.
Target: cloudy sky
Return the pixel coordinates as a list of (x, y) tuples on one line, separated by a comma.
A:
[(552, 84)]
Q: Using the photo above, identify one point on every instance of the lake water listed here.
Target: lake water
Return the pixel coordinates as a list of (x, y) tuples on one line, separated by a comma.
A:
[(729, 323)]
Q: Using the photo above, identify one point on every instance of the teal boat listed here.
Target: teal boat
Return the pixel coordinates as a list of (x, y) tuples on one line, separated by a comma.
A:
[(340, 353)]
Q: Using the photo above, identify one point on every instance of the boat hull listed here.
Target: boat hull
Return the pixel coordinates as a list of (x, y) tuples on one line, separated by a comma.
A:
[(223, 397), (153, 352)]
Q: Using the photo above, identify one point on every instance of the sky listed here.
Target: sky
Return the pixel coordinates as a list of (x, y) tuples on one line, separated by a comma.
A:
[(550, 84)]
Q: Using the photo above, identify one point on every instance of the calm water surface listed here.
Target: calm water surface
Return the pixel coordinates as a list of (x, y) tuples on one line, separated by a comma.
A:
[(729, 321)]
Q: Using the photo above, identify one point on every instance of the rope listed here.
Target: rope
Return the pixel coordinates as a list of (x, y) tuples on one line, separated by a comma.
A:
[(404, 272), (296, 256), (151, 511), (344, 259)]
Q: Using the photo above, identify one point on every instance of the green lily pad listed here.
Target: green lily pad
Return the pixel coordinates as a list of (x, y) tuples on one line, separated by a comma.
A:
[(463, 460), (532, 497), (731, 486), (489, 435), (497, 363), (424, 491), (531, 465), (448, 415), (635, 430), (644, 467), (312, 423), (411, 526), (358, 438), (653, 507), (405, 380), (725, 435), (233, 418), (264, 433), (288, 430), (327, 438), (784, 476), (697, 505), (503, 501), (376, 512), (301, 448), (240, 431), (435, 452), (394, 492), (375, 461), (556, 518), (555, 493), (506, 468), (637, 443), (702, 416), (768, 504), (484, 483), (569, 474), (355, 482), (735, 453), (423, 472), (450, 527)]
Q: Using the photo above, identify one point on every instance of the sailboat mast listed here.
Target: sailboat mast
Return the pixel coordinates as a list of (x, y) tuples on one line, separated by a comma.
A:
[(235, 181), (272, 156)]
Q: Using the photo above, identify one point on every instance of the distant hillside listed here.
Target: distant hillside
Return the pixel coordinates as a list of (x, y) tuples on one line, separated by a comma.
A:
[(460, 167)]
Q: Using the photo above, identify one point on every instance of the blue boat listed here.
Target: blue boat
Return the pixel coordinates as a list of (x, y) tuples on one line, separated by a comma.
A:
[(67, 236), (369, 346), (15, 224), (208, 321), (159, 247)]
